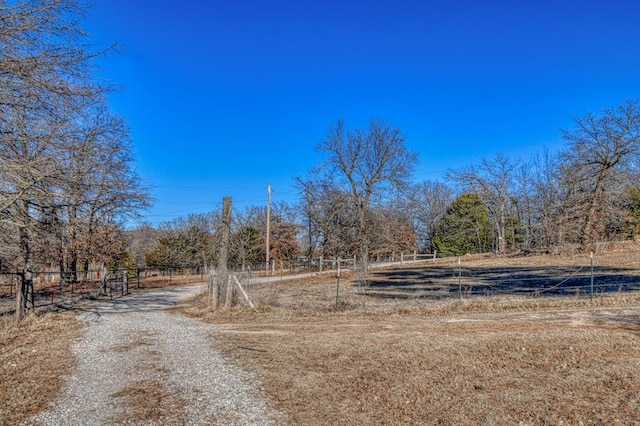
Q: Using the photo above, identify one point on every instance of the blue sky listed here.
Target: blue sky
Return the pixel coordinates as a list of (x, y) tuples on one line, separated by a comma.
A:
[(225, 97)]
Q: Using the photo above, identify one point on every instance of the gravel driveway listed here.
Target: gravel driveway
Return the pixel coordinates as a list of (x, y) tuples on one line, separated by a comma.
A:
[(140, 364)]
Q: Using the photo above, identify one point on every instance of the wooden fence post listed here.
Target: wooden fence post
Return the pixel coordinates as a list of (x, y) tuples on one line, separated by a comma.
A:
[(244, 293), (228, 303), (223, 253), (214, 288)]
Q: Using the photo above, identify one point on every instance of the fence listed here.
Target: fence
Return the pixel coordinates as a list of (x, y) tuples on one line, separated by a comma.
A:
[(401, 277), (51, 288), (427, 279), (321, 264)]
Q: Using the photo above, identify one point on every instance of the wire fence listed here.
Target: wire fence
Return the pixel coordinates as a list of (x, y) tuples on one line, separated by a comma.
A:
[(405, 276), (425, 277), (321, 264), (460, 280), (56, 289)]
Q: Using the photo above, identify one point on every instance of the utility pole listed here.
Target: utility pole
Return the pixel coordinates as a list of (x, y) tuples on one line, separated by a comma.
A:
[(309, 219), (268, 226), (222, 274)]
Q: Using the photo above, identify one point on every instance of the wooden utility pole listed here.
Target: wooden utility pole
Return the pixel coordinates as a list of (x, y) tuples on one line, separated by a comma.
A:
[(222, 273), (268, 226)]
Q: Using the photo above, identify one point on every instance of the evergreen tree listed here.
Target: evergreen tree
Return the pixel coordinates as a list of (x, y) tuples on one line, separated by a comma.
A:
[(464, 228)]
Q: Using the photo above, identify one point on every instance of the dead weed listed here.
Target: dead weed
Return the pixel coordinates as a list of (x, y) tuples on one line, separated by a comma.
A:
[(35, 357)]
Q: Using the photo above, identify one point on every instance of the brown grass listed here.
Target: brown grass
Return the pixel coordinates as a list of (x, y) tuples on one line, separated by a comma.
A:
[(149, 401), (491, 360), (34, 359), (417, 371)]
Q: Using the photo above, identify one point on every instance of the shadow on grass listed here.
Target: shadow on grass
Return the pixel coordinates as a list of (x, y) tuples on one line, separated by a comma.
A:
[(447, 281)]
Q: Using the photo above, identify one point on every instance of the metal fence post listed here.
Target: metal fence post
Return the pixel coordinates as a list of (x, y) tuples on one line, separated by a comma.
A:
[(459, 279), (338, 285), (591, 258)]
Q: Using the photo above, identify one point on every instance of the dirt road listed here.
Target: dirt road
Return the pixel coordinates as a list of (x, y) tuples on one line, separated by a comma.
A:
[(140, 364)]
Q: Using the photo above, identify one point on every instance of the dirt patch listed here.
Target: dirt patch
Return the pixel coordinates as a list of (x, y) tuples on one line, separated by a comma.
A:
[(149, 401)]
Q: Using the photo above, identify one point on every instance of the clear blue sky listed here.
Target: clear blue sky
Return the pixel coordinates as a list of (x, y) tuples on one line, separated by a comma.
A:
[(225, 97)]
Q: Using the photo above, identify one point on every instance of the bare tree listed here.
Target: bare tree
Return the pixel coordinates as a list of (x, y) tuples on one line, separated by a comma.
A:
[(330, 218), (545, 223), (366, 163), (597, 167), (494, 182), (49, 104), (426, 203), (248, 238)]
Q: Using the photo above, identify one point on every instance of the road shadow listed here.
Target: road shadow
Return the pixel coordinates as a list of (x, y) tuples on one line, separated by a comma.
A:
[(155, 300)]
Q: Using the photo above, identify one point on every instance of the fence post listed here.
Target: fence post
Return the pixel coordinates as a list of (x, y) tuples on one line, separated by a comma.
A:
[(591, 258), (214, 287), (229, 300), (435, 254), (401, 257), (320, 265), (30, 288), (415, 255), (459, 279), (103, 283), (244, 293), (125, 282), (338, 285)]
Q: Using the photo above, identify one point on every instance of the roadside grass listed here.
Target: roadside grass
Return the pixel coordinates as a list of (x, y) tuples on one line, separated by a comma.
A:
[(35, 358)]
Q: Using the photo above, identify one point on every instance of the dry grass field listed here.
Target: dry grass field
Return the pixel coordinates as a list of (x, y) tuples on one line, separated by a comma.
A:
[(402, 353), (492, 360), (35, 358)]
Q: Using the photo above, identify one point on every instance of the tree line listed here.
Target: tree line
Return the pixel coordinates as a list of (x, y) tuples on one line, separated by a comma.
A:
[(361, 201), (66, 173)]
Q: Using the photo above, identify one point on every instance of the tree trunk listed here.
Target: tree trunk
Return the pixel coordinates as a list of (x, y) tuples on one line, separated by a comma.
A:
[(25, 253)]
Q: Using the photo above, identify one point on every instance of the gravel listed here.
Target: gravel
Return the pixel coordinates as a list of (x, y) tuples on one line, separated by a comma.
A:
[(140, 364)]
